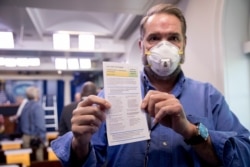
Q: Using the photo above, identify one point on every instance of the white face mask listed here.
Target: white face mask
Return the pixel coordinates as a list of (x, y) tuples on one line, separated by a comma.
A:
[(164, 58)]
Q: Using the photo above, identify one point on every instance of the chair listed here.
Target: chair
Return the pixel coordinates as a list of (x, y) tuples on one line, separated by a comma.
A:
[(46, 163)]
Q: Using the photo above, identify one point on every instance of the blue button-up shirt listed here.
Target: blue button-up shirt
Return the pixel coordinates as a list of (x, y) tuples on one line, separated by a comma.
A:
[(201, 103), (32, 120)]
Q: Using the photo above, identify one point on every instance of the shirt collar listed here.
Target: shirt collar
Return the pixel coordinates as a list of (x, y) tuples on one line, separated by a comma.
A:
[(178, 88)]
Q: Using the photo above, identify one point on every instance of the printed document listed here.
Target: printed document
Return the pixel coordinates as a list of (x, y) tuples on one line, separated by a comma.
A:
[(126, 122)]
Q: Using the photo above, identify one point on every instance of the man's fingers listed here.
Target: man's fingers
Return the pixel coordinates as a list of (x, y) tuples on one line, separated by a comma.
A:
[(88, 120), (151, 99), (92, 99)]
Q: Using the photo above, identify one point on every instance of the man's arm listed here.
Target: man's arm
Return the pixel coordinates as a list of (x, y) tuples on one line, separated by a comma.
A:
[(204, 149)]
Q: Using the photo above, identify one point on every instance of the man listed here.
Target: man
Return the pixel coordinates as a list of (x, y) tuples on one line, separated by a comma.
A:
[(190, 122), (4, 99), (2, 128), (88, 88), (77, 97), (32, 123)]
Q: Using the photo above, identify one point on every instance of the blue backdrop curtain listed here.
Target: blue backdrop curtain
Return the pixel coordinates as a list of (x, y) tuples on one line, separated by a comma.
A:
[(44, 87), (60, 97)]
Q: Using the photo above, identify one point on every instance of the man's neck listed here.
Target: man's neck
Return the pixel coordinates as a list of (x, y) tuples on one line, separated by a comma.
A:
[(164, 85)]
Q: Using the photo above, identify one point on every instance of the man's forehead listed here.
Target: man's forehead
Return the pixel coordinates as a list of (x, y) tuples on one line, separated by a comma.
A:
[(163, 23)]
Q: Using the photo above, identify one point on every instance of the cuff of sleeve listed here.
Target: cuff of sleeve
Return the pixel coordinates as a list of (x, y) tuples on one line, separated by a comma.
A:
[(62, 146), (219, 141), (91, 160)]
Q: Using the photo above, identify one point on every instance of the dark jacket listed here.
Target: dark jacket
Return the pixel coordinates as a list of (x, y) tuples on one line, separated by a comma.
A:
[(65, 120)]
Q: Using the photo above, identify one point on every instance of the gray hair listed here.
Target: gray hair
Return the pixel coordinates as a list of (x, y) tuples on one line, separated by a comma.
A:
[(32, 93), (164, 8)]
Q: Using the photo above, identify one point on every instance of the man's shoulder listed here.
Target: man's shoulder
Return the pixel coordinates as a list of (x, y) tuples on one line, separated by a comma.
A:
[(201, 85), (197, 82), (71, 105)]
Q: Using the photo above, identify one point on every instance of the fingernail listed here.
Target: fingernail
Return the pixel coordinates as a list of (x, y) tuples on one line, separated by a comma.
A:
[(143, 105), (155, 121), (107, 105)]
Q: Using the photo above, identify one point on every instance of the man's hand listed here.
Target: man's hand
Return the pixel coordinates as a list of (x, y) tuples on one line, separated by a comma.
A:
[(86, 120), (168, 111)]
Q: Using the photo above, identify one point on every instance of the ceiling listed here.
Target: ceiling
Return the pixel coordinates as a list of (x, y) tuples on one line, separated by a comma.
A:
[(34, 22)]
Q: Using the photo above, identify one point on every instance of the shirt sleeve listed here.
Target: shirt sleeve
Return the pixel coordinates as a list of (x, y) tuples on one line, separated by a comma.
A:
[(230, 138), (64, 153)]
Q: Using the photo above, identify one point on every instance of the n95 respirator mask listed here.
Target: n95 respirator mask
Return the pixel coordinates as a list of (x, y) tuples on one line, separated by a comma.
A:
[(164, 58)]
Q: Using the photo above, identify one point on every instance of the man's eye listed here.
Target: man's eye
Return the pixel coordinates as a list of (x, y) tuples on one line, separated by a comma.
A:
[(153, 38), (174, 39)]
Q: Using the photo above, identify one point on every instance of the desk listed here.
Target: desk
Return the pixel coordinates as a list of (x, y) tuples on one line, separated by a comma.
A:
[(51, 135), (8, 110), (18, 156), (51, 155), (11, 144)]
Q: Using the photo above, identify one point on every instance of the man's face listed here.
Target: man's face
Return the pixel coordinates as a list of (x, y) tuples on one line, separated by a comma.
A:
[(160, 27)]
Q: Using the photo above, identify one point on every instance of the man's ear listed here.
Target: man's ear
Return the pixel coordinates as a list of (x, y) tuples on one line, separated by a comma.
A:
[(140, 44)]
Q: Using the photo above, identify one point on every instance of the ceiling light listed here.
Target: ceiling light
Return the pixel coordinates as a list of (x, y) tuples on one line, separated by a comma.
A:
[(34, 61), (73, 63), (85, 63), (10, 62), (59, 72), (2, 61), (60, 63), (7, 40), (86, 42), (61, 41), (22, 62)]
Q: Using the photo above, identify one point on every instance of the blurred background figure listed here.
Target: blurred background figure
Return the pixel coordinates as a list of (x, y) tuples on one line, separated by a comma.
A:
[(78, 97), (2, 128), (21, 101), (3, 95), (32, 122), (88, 88)]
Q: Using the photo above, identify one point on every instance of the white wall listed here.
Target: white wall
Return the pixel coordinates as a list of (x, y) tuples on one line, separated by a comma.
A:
[(134, 53), (237, 64), (207, 58), (203, 50)]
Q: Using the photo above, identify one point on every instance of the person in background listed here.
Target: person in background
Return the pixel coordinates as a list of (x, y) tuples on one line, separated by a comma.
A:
[(191, 123), (21, 102), (1, 123), (88, 88), (4, 100), (2, 127), (77, 97), (32, 122)]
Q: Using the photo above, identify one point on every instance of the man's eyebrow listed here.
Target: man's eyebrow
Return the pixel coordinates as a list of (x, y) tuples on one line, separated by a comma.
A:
[(174, 34)]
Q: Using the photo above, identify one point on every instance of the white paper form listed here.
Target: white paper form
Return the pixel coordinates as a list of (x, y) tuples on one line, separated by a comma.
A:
[(126, 122)]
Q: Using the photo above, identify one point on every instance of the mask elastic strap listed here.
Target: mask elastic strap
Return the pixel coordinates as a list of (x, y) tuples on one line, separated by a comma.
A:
[(180, 52), (147, 52)]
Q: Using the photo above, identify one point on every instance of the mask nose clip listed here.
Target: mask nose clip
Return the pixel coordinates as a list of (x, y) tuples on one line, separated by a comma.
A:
[(166, 62)]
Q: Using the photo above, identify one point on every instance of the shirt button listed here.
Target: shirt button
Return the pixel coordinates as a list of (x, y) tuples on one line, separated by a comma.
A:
[(164, 143)]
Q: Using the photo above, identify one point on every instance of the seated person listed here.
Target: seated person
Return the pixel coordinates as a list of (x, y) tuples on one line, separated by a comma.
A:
[(2, 128), (78, 97), (88, 88), (3, 95)]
